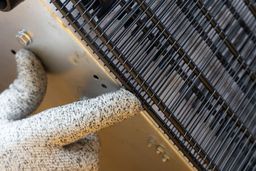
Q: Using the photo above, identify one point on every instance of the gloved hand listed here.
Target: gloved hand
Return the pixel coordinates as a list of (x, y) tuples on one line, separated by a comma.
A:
[(61, 138)]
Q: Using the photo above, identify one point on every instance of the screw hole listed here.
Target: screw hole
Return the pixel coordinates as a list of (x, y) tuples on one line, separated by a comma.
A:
[(13, 52), (75, 61), (104, 86), (96, 77)]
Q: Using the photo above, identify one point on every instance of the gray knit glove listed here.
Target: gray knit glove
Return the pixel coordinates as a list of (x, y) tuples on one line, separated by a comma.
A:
[(60, 138)]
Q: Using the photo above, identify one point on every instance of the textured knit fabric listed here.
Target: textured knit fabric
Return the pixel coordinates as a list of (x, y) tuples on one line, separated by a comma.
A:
[(27, 91), (61, 138)]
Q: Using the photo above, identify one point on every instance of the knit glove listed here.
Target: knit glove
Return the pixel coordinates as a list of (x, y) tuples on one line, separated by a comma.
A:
[(61, 138)]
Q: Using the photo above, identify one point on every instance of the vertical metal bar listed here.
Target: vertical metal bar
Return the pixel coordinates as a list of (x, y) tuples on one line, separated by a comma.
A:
[(251, 7)]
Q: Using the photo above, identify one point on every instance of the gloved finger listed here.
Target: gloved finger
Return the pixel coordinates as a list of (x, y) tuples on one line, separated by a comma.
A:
[(89, 143), (27, 91), (67, 124), (84, 153)]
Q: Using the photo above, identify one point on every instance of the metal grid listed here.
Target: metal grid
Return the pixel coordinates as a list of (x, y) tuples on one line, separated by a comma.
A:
[(192, 64)]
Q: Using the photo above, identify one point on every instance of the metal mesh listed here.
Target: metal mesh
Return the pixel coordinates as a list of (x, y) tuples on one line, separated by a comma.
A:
[(192, 64)]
